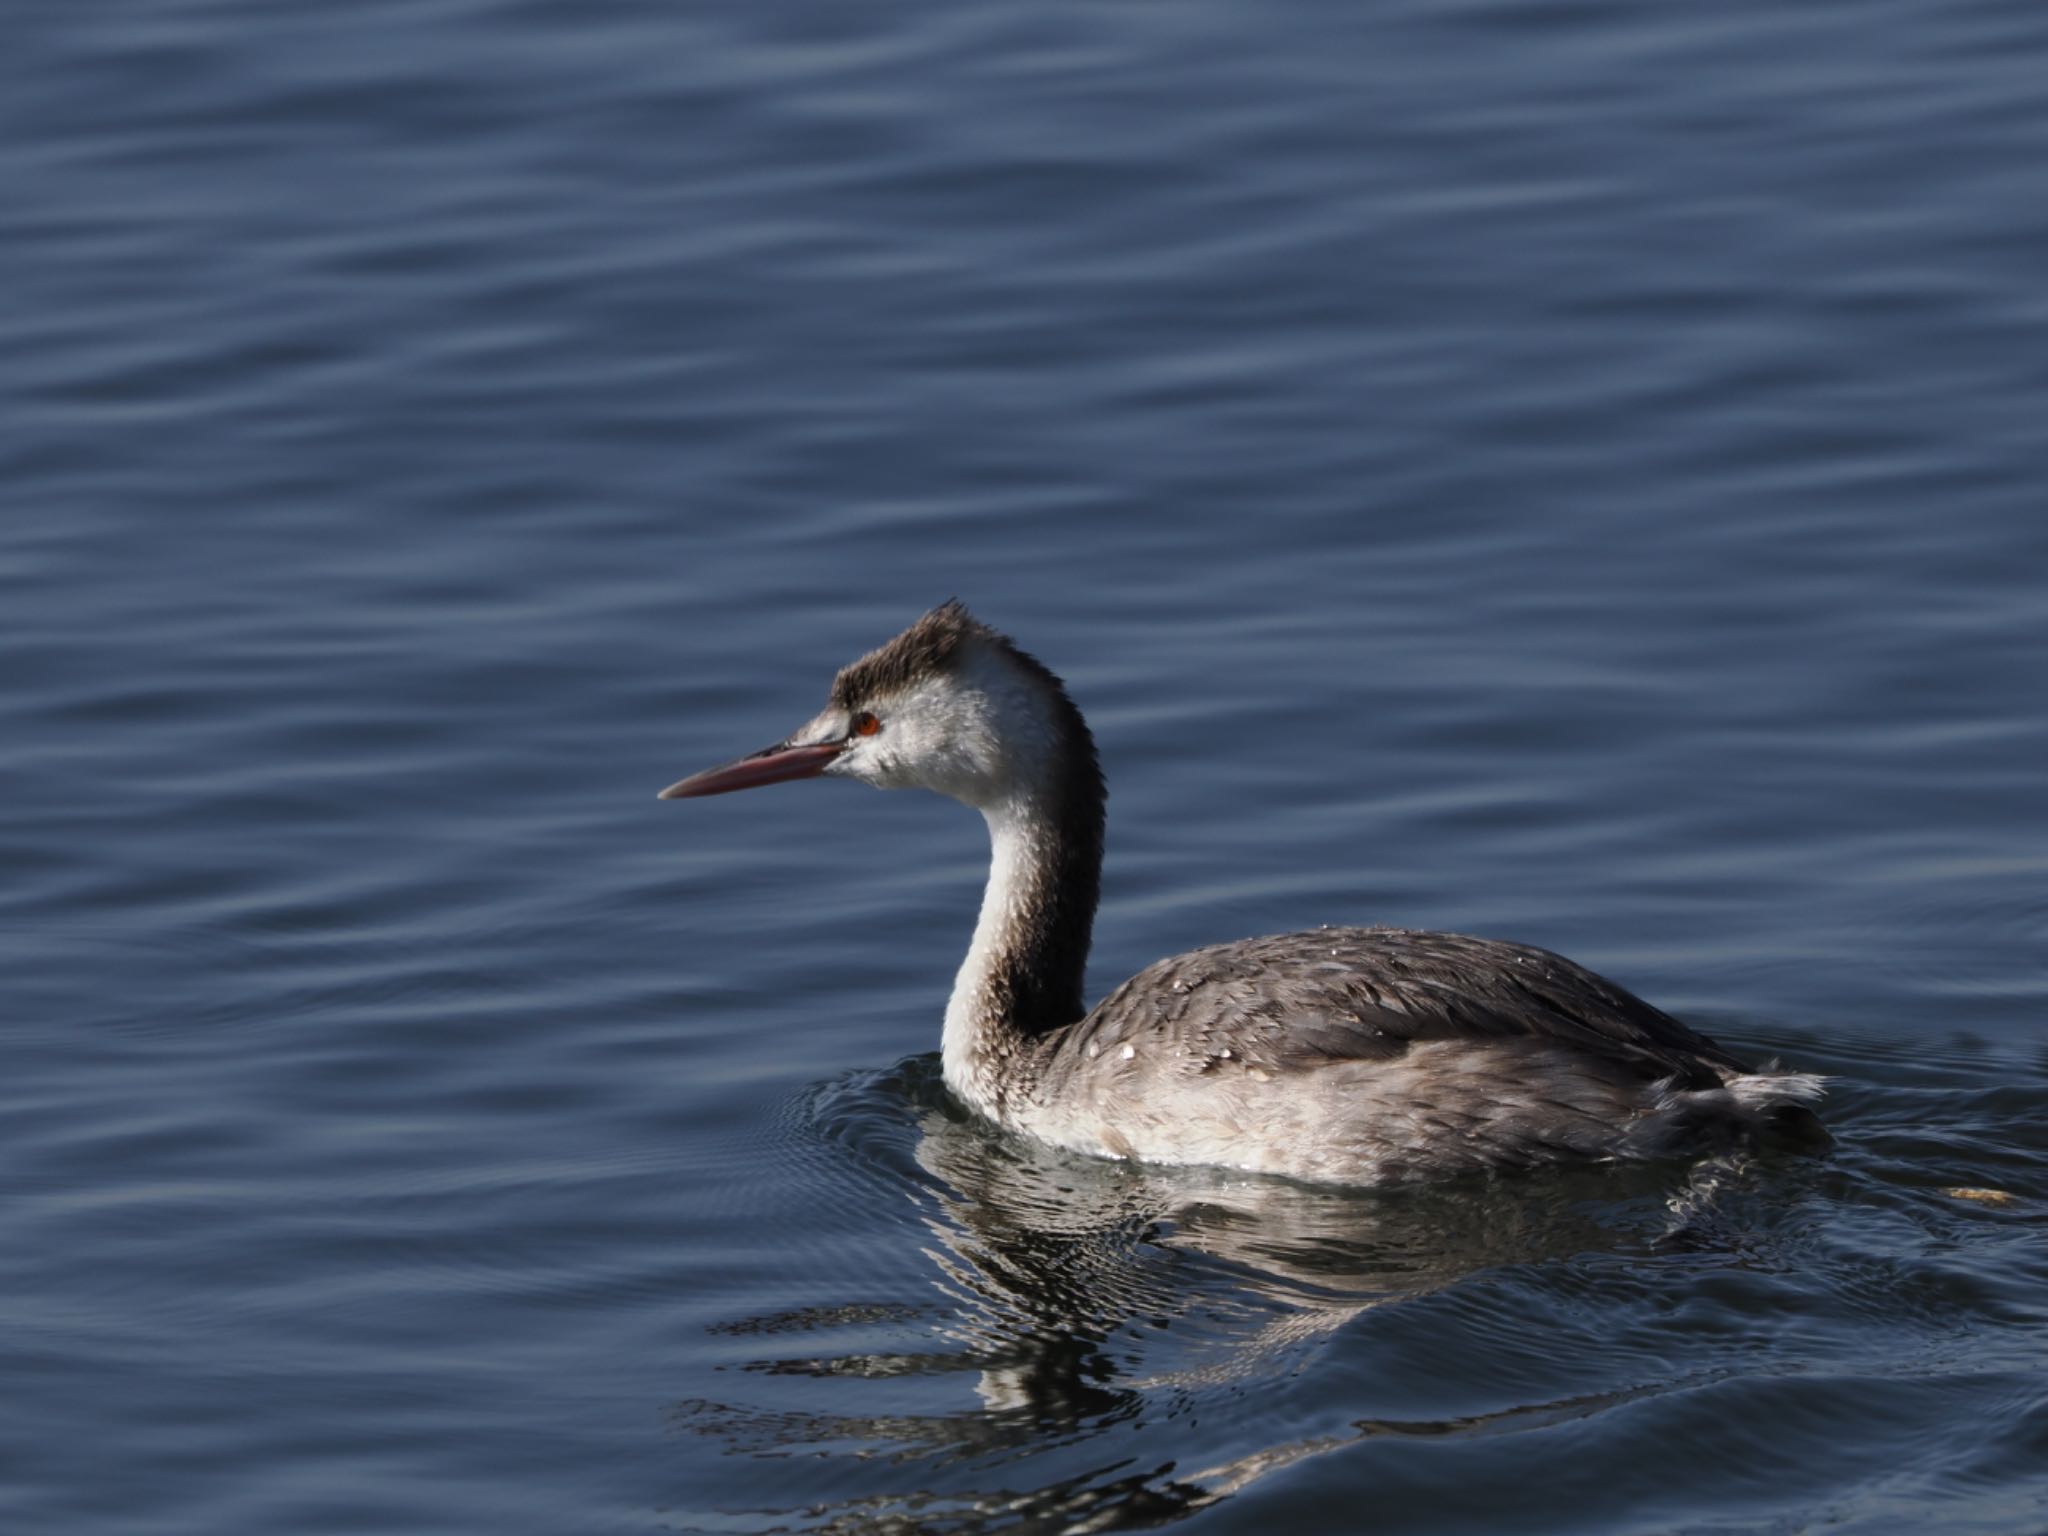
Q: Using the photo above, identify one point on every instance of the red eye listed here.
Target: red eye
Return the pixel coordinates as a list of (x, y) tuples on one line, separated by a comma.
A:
[(865, 724)]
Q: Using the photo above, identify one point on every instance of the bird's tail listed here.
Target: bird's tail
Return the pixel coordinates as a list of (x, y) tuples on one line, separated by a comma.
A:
[(1781, 1104), (1762, 1092), (1766, 1107)]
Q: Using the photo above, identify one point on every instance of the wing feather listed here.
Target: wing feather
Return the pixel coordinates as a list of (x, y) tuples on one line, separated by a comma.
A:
[(1296, 1001)]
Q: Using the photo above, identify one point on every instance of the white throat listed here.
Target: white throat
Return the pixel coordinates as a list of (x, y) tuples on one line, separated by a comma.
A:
[(978, 1042)]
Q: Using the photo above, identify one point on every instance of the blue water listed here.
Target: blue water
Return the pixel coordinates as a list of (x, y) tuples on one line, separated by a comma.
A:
[(1570, 472)]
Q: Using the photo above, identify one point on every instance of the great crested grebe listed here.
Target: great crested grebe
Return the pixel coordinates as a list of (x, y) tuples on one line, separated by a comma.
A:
[(1341, 1056)]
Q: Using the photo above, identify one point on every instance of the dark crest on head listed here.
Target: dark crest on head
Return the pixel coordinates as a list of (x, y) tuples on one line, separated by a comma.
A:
[(925, 648)]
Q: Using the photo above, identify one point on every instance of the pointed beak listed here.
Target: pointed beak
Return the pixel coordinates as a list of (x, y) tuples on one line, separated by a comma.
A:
[(771, 765)]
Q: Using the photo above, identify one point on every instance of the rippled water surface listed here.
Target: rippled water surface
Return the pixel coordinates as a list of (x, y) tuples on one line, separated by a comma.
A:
[(1568, 472)]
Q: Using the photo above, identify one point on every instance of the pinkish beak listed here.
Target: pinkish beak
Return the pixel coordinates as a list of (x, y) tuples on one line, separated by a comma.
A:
[(771, 765)]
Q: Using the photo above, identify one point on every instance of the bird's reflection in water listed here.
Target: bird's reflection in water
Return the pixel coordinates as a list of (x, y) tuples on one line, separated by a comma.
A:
[(1127, 1331)]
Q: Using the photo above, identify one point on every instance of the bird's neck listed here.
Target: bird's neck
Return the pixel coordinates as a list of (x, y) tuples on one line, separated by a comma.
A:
[(1022, 979)]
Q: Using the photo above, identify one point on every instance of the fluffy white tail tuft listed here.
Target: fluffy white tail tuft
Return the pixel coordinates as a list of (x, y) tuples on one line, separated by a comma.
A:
[(1770, 1090)]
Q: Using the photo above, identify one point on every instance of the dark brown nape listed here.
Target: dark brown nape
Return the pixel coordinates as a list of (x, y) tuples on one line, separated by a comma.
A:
[(1046, 971), (1042, 978)]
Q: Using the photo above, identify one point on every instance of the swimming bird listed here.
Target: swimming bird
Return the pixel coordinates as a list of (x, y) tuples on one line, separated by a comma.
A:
[(1351, 1055)]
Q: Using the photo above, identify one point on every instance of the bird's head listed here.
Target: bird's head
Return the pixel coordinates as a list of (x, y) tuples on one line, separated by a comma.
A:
[(948, 705)]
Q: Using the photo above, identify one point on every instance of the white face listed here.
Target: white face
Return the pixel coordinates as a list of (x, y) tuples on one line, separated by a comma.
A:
[(979, 732)]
